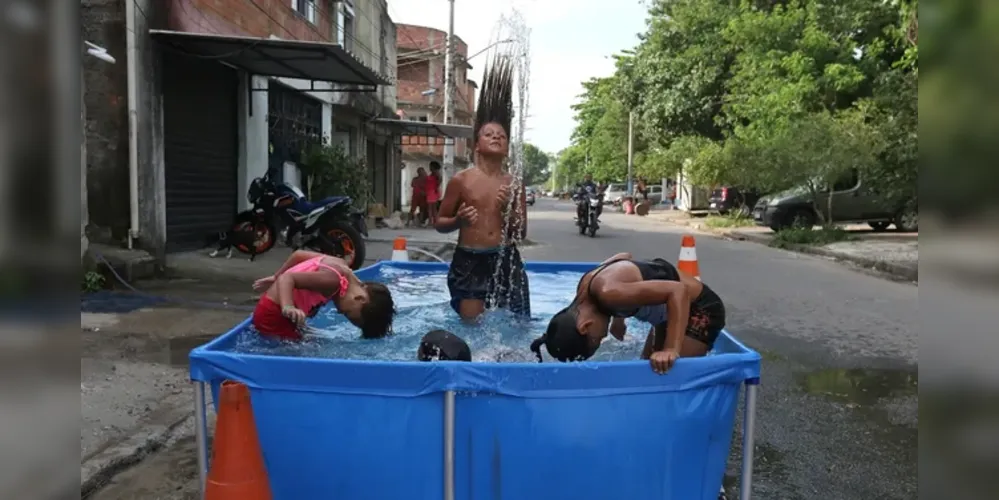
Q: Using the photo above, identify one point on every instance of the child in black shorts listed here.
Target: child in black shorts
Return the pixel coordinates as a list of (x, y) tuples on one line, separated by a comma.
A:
[(684, 314)]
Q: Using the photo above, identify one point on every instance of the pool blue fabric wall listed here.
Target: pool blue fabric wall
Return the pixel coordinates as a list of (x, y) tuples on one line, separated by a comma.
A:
[(603, 431)]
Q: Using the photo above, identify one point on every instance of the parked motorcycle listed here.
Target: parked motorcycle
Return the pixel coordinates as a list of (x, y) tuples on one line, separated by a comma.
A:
[(329, 226), (588, 205)]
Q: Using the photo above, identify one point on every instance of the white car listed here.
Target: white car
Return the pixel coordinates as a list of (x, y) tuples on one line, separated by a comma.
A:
[(615, 193)]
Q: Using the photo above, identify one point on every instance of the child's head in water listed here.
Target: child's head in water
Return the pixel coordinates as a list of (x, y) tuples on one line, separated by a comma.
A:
[(564, 340), (441, 345)]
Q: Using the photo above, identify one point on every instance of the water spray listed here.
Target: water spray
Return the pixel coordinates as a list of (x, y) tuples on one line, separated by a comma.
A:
[(513, 28)]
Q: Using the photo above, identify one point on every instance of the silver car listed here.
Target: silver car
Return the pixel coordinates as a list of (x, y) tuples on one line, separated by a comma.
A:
[(615, 193)]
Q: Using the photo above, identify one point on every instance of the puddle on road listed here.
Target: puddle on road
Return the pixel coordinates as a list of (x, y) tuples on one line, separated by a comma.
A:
[(864, 387), (179, 348)]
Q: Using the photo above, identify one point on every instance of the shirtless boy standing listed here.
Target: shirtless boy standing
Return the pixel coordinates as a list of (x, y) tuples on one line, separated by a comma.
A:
[(486, 270)]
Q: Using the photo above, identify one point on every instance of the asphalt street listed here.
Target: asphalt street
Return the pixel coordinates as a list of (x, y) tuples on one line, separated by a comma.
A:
[(837, 415)]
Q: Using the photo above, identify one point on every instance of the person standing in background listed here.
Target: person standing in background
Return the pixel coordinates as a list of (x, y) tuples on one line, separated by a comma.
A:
[(642, 189), (418, 200), (433, 191)]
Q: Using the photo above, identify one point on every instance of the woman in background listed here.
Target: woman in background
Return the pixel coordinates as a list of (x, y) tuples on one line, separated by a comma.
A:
[(418, 200), (432, 188)]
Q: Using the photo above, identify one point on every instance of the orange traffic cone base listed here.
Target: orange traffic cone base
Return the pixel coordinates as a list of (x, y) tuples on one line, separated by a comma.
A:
[(237, 470)]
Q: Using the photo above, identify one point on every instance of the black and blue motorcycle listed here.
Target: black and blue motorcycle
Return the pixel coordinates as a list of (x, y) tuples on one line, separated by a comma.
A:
[(330, 225)]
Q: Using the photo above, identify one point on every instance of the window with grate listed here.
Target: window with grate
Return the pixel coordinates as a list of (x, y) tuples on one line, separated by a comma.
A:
[(294, 121), (345, 24), (307, 9)]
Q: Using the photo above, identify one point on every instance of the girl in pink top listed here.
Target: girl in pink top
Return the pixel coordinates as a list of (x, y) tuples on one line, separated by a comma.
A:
[(306, 282), (433, 191)]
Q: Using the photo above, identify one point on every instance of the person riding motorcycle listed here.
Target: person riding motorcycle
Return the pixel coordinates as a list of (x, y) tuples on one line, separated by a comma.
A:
[(590, 188)]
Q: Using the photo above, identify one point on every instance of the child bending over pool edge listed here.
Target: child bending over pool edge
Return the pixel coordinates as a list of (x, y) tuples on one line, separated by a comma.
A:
[(486, 269), (306, 282), (685, 315)]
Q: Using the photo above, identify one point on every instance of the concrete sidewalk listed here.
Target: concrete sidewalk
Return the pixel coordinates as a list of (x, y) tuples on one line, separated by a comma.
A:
[(896, 257), (892, 253)]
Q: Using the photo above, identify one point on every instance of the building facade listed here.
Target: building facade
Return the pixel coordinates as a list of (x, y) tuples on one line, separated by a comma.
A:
[(420, 80), (223, 91)]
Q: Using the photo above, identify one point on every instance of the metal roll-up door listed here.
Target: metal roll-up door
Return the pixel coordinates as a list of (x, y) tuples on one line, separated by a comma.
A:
[(200, 132)]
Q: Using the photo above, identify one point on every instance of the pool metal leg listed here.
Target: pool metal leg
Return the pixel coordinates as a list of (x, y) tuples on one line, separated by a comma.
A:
[(201, 435), (449, 445), (748, 440)]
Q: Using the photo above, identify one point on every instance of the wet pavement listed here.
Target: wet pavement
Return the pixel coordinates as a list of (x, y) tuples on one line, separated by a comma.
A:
[(838, 408)]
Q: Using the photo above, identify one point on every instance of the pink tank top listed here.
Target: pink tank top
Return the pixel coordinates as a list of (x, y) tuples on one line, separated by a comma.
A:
[(430, 187), (309, 300)]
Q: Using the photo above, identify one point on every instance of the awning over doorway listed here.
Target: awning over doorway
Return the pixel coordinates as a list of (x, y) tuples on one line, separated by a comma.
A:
[(315, 61), (425, 129)]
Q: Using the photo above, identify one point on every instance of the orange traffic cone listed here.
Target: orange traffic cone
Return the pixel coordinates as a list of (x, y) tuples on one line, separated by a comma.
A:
[(237, 468), (399, 252), (687, 262)]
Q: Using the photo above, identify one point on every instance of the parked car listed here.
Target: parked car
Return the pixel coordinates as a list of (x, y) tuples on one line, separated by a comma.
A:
[(727, 199), (530, 196), (615, 193), (852, 201), (656, 194)]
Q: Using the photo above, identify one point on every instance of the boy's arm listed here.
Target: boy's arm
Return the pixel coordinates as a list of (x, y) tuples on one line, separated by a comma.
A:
[(447, 220), (326, 283), (653, 292)]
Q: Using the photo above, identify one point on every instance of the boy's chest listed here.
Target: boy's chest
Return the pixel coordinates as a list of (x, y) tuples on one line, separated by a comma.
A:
[(482, 192)]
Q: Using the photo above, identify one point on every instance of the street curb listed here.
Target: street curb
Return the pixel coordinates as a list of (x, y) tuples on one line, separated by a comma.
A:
[(908, 272), (98, 470)]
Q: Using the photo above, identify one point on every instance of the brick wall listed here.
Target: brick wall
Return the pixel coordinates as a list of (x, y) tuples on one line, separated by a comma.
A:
[(258, 18), (414, 72), (424, 70)]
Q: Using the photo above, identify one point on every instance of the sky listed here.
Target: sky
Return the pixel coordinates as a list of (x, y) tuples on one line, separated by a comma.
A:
[(571, 41)]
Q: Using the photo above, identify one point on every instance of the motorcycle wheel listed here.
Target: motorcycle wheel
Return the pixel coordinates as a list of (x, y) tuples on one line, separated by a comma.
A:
[(592, 229), (264, 233), (341, 239)]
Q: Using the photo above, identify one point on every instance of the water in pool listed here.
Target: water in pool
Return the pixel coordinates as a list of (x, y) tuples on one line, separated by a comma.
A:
[(422, 302)]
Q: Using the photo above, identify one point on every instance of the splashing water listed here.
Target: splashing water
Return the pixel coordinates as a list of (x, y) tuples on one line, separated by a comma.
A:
[(422, 302), (513, 27)]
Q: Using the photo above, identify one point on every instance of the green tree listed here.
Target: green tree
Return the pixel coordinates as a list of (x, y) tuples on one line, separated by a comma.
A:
[(761, 93), (536, 164), (812, 151), (676, 79), (608, 146), (569, 166)]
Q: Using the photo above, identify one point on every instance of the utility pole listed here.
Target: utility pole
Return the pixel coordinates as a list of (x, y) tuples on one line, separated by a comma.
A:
[(449, 90), (631, 150)]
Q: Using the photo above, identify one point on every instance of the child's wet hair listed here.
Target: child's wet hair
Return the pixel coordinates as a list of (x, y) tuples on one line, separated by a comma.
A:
[(562, 339), (442, 345), (496, 94), (378, 312)]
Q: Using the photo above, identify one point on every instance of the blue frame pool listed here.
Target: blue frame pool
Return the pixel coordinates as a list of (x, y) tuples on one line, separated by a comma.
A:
[(408, 430)]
